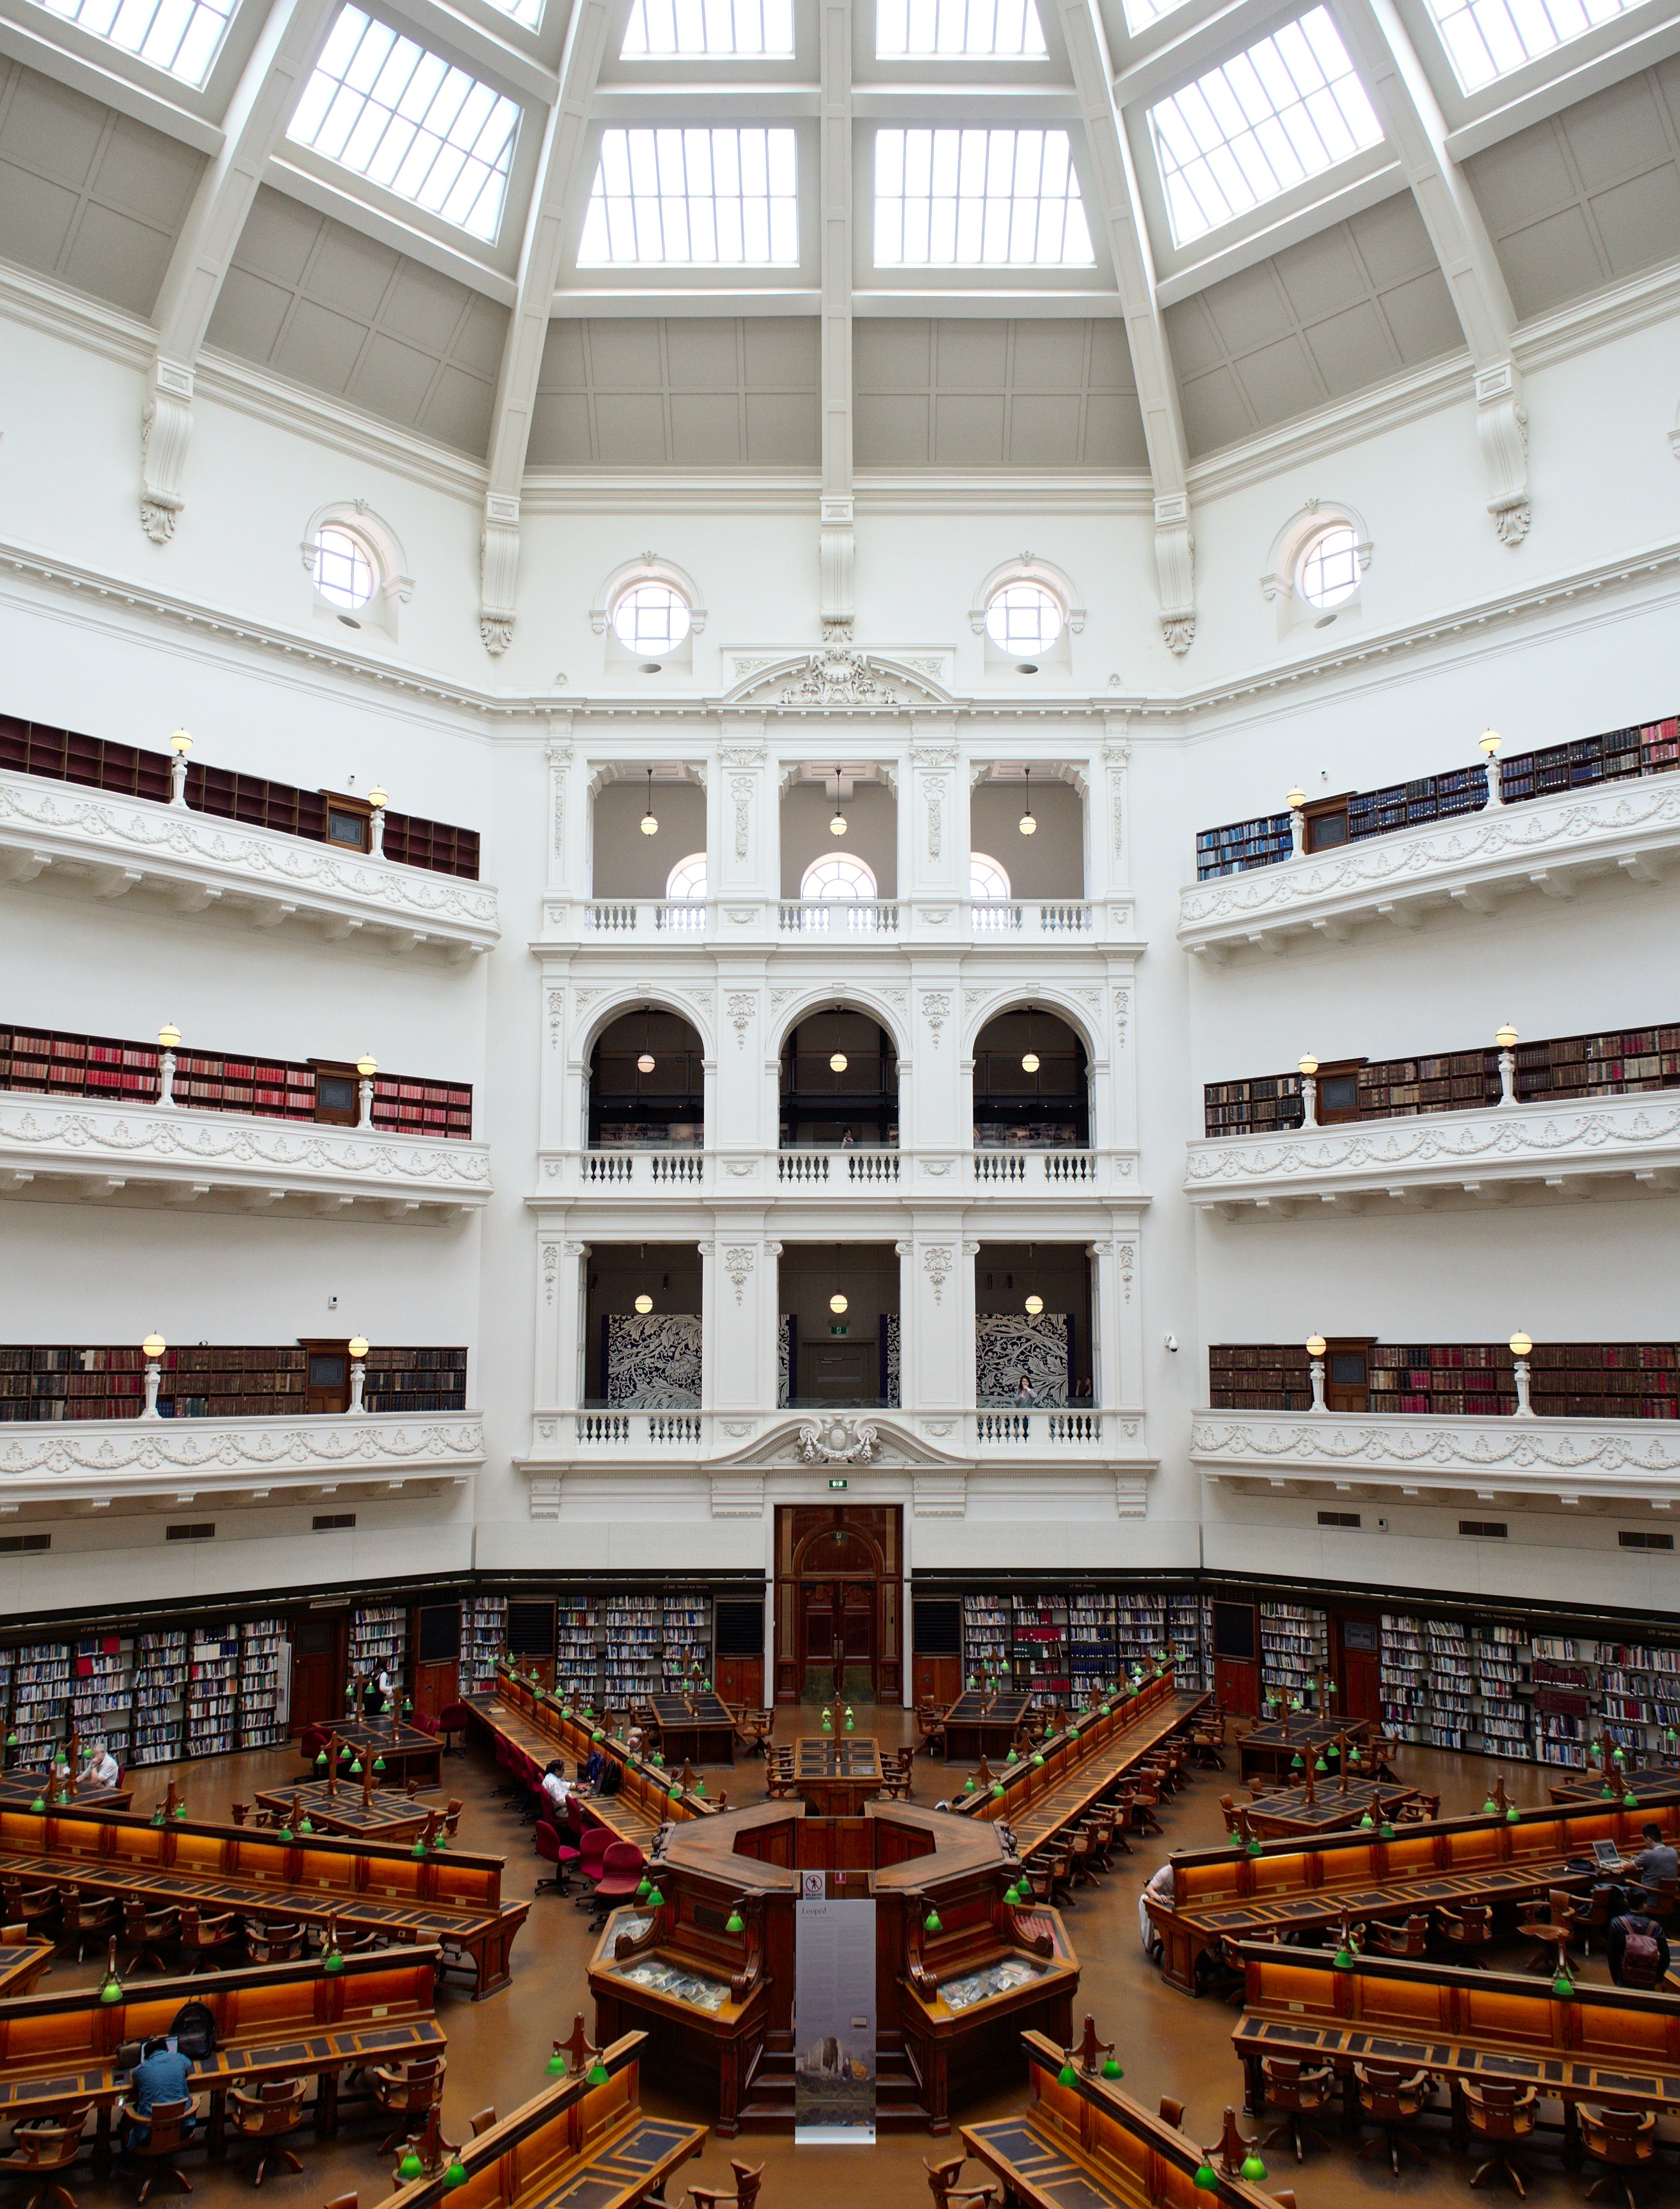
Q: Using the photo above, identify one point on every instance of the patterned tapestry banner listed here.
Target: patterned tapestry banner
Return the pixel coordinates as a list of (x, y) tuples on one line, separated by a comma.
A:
[(652, 1363), (1009, 1344)]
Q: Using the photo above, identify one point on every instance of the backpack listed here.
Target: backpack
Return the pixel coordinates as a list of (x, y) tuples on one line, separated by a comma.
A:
[(1642, 1961), (194, 2030)]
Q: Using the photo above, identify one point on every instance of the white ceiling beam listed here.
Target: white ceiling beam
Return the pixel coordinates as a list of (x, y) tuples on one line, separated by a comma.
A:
[(1120, 213), (495, 60), (593, 23), (838, 541), (257, 113), (20, 43), (1387, 62)]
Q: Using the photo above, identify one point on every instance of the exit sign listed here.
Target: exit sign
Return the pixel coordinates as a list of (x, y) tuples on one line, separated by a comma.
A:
[(836, 1483)]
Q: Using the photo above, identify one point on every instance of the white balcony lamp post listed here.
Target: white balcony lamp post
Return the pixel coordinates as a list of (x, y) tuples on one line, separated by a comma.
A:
[(1520, 1348), (1316, 1348), (1507, 1041), (358, 1372), (1488, 744), (180, 744), (366, 1071), (1308, 1070), (169, 1038), (1295, 800), (378, 800), (153, 1349)]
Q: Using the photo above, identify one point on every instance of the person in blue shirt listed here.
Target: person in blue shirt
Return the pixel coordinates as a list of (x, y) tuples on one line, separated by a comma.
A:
[(162, 2074)]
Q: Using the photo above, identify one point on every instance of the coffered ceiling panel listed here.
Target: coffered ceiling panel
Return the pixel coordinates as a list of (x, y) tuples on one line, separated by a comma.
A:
[(85, 195), (693, 392), (1338, 312), (1588, 196), (955, 393), (343, 314)]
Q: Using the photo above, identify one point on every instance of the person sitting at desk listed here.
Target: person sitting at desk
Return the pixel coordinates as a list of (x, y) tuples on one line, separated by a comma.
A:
[(1657, 1861), (556, 1786), (594, 1769), (162, 2074), (102, 1768), (1620, 1933), (1161, 1887)]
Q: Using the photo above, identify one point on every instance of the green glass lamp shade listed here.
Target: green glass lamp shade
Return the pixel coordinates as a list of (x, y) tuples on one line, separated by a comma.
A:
[(111, 1991), (597, 2072), (1253, 2170), (285, 1832), (356, 1769), (379, 1764), (1073, 1733), (555, 2065), (850, 1723), (305, 1826), (1618, 1757), (1253, 1848), (676, 1790), (1297, 1763), (1607, 1792), (1595, 1745), (1490, 1808), (658, 1756), (332, 1962), (655, 1899), (1321, 1765), (968, 1784), (1630, 1801), (997, 1788), (827, 1723), (1207, 2179), (454, 2175), (1038, 1757), (411, 2166), (39, 1804), (420, 1847), (350, 1694), (1353, 1756), (735, 1922), (931, 1923), (408, 1706), (1385, 1832), (180, 1811), (321, 1762), (644, 1889), (1344, 1959), (1067, 2076), (157, 1814), (1563, 1986), (1512, 1815), (11, 1740), (700, 1786), (1367, 1822), (1111, 2069), (595, 1734)]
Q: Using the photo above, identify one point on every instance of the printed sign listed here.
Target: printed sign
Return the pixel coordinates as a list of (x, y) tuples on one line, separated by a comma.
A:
[(834, 2019)]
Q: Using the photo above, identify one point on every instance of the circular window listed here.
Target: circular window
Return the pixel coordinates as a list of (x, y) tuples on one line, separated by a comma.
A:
[(651, 620), (838, 877), (688, 877), (343, 572), (986, 879), (1023, 617), (1330, 568)]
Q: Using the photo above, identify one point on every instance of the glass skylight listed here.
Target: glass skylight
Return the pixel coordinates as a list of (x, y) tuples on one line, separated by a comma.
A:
[(709, 27), (1141, 13), (180, 36), (726, 197), (402, 117), (1289, 108), (957, 27), (968, 199), (1489, 39)]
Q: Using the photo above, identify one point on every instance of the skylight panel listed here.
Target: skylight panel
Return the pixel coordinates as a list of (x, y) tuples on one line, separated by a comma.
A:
[(726, 198), (1003, 27), (709, 27), (406, 119), (180, 36), (971, 199), (1487, 39), (1141, 13), (1289, 108)]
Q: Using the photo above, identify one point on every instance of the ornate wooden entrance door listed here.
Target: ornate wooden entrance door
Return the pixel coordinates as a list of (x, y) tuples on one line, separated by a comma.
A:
[(837, 1603)]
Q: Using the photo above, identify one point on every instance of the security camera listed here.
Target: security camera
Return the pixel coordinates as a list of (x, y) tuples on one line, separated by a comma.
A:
[(1172, 1342)]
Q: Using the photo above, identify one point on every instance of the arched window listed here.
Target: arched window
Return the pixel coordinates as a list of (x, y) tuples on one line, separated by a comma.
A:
[(837, 875), (1329, 568), (989, 887), (986, 879), (688, 877), (685, 894), (1024, 618), (651, 620), (345, 570)]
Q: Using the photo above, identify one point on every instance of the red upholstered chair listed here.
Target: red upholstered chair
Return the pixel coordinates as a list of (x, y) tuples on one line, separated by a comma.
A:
[(622, 1868), (552, 1849), (424, 1722), (593, 1845), (454, 1718)]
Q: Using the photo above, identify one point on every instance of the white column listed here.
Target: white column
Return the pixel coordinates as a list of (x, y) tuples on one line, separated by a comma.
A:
[(933, 847), (748, 863), (739, 1278)]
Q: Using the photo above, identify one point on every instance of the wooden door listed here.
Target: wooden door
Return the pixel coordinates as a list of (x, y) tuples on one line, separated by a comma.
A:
[(1236, 1658), (838, 1625), (1358, 1661), (821, 1649), (434, 1637), (328, 1373), (317, 1668), (1346, 1381)]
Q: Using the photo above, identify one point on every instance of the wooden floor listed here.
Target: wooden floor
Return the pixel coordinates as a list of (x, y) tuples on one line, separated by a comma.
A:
[(1168, 2043)]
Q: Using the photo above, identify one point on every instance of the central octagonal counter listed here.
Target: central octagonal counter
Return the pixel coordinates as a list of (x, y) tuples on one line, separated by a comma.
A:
[(707, 1965)]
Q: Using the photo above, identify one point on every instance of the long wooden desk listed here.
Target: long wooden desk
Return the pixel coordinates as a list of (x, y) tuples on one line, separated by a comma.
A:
[(453, 1900), (273, 2021), (1600, 2043), (696, 1726), (1056, 1783), (23, 1787), (982, 1723), (1273, 1746), (535, 1722), (388, 1814), (572, 2146), (837, 1778), (1089, 2145), (1328, 1807), (1304, 1886), (1642, 1781), (24, 1961), (407, 1752)]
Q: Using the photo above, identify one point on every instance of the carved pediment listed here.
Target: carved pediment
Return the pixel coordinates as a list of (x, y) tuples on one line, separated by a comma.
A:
[(863, 1439), (838, 675)]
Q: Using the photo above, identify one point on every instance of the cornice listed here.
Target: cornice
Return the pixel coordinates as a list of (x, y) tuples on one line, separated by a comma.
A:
[(128, 1455)]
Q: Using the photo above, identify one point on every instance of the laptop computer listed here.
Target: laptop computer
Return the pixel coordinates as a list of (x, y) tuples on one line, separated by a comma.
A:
[(1608, 1854)]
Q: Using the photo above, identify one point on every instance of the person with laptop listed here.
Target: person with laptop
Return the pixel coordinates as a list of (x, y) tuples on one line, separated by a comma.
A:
[(1656, 1862)]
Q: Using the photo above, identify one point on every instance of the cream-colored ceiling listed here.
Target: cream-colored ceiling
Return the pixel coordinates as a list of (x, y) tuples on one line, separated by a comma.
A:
[(343, 314), (85, 195), (1341, 311), (1587, 196), (693, 392), (953, 393)]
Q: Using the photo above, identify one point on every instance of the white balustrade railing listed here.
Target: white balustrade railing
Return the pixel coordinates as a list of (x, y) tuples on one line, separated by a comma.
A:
[(839, 916), (1058, 1165), (1069, 1429), (683, 1167), (751, 916), (1036, 1430), (632, 1430), (996, 917), (840, 1167), (660, 916)]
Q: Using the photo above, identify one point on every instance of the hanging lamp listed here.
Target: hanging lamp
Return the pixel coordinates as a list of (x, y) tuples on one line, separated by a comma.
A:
[(650, 827), (1026, 824)]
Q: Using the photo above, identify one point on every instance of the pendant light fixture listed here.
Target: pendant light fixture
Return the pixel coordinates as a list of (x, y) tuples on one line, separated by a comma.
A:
[(1035, 1304), (650, 827), (837, 1062), (1026, 824), (837, 1304), (645, 1063), (644, 1303), (837, 826)]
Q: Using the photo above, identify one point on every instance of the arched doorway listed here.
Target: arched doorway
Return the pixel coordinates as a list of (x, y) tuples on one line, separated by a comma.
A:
[(837, 1603)]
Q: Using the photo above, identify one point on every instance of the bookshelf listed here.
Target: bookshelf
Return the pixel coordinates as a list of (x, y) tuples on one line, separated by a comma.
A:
[(1458, 1379), (1259, 1376), (1262, 1106), (378, 1642), (159, 1694), (632, 1658), (264, 1674), (1451, 1681), (1103, 1636), (1563, 1671), (1242, 845), (1294, 1648), (483, 1635), (1499, 1657), (415, 1381), (102, 1691), (988, 1657), (42, 1675), (214, 1382), (576, 1659), (688, 1636), (1403, 1676), (1041, 1647), (212, 1691)]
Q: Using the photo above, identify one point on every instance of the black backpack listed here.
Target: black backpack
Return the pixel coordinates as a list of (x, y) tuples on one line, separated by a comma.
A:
[(194, 2031)]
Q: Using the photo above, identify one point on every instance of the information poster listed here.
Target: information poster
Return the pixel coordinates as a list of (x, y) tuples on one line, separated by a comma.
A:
[(833, 2019)]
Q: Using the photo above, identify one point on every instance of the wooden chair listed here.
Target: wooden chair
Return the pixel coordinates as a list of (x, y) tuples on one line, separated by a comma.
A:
[(452, 1814), (1419, 1810), (1393, 2098), (203, 1939), (1624, 2141), (40, 2150), (268, 2117), (37, 1907), (281, 1942), (748, 2179), (1554, 1935), (933, 1744), (944, 2184), (482, 2121), (407, 2091), (85, 1921), (1172, 2113), (1465, 1930), (1503, 2116), (1411, 1939), (157, 2136), (146, 1936), (1301, 2092), (1659, 1901)]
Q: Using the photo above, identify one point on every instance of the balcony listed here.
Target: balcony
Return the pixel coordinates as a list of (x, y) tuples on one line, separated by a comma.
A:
[(678, 1174), (1627, 830), (106, 845), (866, 922), (1558, 1461), (87, 1465)]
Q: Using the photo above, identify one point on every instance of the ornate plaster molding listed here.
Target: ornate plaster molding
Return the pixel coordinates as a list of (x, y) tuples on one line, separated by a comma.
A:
[(40, 1461), (1548, 1457)]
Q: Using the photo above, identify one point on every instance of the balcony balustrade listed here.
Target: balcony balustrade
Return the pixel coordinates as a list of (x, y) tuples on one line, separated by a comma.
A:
[(884, 922), (678, 1173)]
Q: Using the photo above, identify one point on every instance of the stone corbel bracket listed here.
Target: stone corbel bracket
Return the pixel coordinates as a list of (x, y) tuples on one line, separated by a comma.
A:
[(1502, 430), (166, 432), (1175, 571), (498, 568)]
